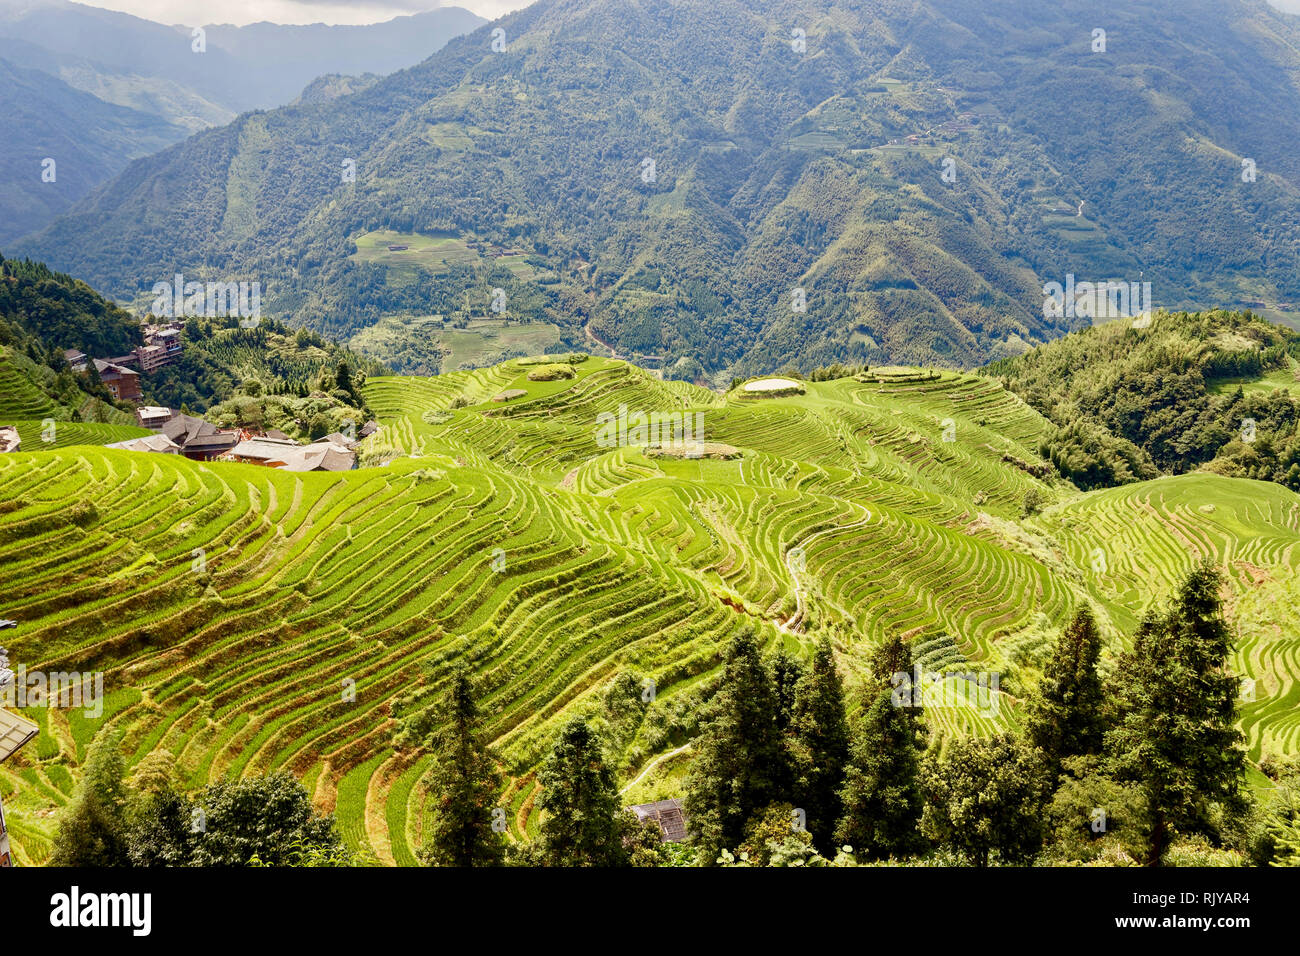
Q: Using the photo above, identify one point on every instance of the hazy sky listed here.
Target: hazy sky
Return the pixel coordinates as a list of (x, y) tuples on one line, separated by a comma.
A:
[(239, 12), (194, 12)]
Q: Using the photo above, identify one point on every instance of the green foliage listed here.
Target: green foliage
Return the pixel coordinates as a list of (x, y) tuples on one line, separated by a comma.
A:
[(1065, 717), (881, 795), (583, 823), (819, 746), (740, 762), (1092, 817), (984, 799), (1131, 400), (1177, 739), (463, 783), (93, 830)]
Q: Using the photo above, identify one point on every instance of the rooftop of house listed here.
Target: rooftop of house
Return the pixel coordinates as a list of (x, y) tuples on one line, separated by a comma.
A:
[(153, 443), (668, 814), (289, 455), (103, 366), (190, 432)]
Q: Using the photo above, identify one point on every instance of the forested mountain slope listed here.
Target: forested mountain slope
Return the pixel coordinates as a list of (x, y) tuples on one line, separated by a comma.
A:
[(668, 173), (1168, 393)]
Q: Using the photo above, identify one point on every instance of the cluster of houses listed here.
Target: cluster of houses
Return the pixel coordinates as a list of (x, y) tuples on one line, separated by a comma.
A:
[(178, 434), (121, 374)]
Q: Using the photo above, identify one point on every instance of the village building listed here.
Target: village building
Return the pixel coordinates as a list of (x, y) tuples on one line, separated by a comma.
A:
[(122, 383), (9, 439), (150, 358), (152, 416), (290, 456), (337, 438), (368, 429), (198, 440), (166, 338), (668, 814), (77, 360), (159, 444)]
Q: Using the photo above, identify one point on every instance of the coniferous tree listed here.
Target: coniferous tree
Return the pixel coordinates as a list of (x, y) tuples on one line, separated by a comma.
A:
[(583, 823), (740, 762), (1177, 738), (1065, 718), (819, 746), (881, 796), (94, 830), (465, 783), (786, 674)]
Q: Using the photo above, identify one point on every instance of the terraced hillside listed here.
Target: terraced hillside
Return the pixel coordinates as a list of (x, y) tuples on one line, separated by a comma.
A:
[(247, 619)]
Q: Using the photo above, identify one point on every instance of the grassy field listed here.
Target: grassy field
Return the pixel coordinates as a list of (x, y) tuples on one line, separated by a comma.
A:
[(433, 254), (505, 536), (1287, 379), (428, 345)]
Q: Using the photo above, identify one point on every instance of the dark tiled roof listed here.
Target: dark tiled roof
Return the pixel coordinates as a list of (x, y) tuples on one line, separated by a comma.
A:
[(668, 814)]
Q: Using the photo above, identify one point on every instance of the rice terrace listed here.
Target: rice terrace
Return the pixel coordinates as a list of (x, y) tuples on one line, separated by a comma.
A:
[(458, 457), (329, 608)]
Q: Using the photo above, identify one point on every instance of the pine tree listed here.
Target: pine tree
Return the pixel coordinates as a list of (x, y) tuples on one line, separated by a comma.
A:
[(740, 760), (583, 823), (1177, 737), (786, 674), (93, 830), (464, 783), (819, 746), (1065, 718), (881, 796)]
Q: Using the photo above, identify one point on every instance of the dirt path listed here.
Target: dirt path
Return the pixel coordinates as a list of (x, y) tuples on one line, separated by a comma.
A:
[(592, 337), (651, 765)]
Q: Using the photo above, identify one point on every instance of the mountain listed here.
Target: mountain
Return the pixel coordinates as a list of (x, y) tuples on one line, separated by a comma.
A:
[(717, 189), (502, 520), (258, 66), (87, 139), (95, 89)]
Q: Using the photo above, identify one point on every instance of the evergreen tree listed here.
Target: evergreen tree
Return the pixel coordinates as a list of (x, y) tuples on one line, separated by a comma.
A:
[(93, 830), (582, 820), (1065, 718), (740, 760), (786, 674), (1176, 737), (881, 796), (465, 784), (819, 746)]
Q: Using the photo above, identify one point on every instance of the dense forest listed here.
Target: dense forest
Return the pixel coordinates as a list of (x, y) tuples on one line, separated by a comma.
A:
[(1217, 389)]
